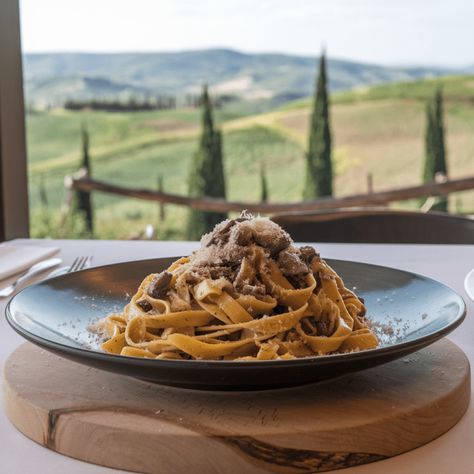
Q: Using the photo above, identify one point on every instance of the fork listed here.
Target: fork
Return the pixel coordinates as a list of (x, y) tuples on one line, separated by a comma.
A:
[(79, 263)]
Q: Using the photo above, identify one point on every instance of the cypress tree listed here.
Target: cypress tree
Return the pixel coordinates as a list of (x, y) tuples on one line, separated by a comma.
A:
[(263, 185), (43, 195), (318, 158), (43, 198), (429, 166), (207, 173), (440, 159), (83, 198), (435, 150)]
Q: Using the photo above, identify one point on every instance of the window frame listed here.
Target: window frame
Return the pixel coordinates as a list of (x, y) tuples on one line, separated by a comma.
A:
[(14, 216)]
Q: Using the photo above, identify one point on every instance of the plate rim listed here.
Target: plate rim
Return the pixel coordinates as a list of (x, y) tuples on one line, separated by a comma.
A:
[(468, 278), (416, 343)]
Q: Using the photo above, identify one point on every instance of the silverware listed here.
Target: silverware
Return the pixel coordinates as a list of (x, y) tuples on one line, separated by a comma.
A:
[(79, 263), (469, 284), (28, 275)]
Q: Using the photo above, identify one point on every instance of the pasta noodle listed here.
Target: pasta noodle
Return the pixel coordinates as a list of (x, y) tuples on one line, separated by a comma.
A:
[(247, 294)]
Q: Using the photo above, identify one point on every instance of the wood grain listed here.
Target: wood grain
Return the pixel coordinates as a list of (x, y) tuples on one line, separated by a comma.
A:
[(121, 422)]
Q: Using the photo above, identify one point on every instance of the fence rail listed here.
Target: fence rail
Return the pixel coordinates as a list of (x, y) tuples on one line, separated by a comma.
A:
[(80, 181)]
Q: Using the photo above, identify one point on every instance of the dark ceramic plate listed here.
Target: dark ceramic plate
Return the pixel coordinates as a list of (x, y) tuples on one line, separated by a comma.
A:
[(56, 313)]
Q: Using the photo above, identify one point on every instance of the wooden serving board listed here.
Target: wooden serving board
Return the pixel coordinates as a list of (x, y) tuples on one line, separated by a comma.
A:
[(125, 423)]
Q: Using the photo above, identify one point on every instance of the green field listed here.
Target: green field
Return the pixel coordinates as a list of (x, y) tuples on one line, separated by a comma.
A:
[(377, 130)]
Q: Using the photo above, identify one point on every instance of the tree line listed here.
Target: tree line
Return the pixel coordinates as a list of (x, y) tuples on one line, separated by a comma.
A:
[(130, 105), (134, 104), (207, 175)]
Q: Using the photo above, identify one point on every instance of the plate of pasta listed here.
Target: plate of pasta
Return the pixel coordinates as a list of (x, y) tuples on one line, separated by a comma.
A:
[(249, 309)]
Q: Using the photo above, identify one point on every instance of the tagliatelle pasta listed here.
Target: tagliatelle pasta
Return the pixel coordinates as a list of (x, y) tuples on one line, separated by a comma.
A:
[(247, 294)]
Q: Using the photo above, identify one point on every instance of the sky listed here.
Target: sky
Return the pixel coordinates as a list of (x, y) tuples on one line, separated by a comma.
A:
[(392, 32)]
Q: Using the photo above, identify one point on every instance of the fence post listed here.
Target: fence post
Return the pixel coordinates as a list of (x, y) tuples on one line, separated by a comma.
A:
[(370, 184)]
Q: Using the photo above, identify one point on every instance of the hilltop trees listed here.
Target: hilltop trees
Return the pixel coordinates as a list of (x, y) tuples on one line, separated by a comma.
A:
[(83, 204), (435, 150), (207, 173), (318, 180), (133, 104)]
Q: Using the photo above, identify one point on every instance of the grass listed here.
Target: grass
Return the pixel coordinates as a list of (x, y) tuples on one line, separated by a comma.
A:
[(380, 133), (244, 150), (455, 88)]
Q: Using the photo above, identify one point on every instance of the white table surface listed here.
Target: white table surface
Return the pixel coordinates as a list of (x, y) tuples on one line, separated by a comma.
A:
[(451, 453)]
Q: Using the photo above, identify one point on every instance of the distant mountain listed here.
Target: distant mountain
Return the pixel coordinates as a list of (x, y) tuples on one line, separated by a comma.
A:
[(56, 77)]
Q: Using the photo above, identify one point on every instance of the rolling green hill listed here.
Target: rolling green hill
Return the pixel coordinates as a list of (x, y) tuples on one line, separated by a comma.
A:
[(378, 131), (455, 88)]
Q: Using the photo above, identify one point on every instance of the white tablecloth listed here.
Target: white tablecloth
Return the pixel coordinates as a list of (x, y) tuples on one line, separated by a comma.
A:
[(452, 453)]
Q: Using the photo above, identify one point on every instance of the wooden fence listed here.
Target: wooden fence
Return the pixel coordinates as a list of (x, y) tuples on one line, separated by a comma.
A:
[(80, 181)]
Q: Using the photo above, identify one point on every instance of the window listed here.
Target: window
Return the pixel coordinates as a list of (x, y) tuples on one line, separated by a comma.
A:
[(124, 101)]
